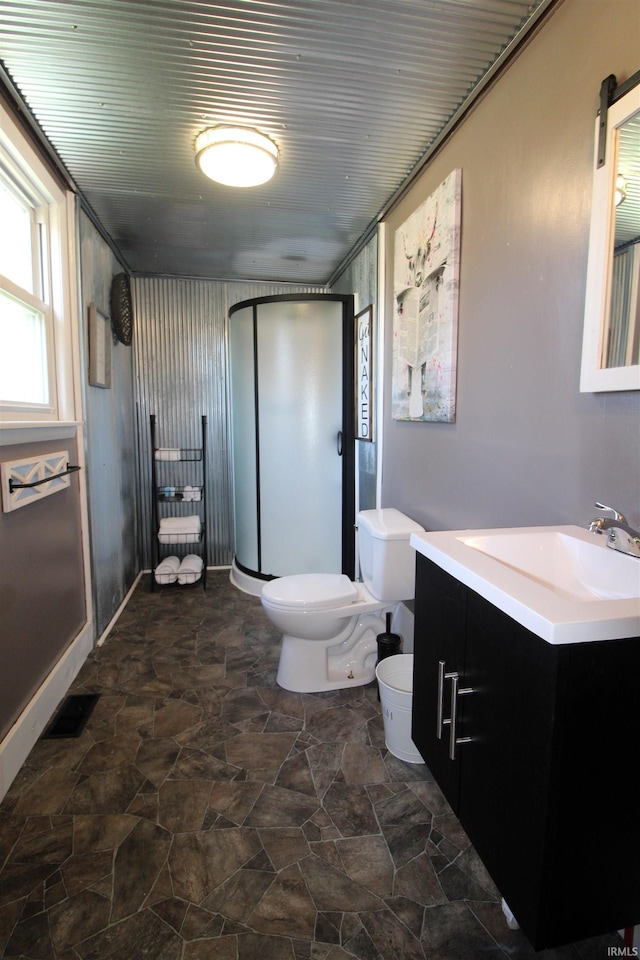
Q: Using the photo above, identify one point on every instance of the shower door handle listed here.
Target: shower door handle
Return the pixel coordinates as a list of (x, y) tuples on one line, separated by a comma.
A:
[(339, 439)]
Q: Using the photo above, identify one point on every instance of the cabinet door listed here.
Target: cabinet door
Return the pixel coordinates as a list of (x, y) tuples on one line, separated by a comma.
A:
[(505, 767), (440, 618), (593, 881)]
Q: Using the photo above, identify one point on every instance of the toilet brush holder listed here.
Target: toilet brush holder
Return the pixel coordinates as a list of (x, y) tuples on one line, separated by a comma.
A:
[(388, 644)]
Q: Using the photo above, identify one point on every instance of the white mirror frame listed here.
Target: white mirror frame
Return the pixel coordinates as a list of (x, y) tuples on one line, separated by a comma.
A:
[(593, 377)]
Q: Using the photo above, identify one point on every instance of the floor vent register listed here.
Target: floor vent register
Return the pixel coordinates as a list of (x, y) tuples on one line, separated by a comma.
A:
[(71, 717)]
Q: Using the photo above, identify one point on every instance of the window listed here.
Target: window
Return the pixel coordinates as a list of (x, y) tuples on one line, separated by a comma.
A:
[(24, 315), (16, 239), (35, 319)]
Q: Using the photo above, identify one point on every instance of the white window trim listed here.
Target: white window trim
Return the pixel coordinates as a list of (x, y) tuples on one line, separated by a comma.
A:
[(62, 340)]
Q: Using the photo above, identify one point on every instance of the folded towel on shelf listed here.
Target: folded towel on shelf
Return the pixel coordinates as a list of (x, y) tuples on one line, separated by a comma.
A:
[(189, 524), (167, 453), (179, 529), (167, 570), (191, 493), (190, 569)]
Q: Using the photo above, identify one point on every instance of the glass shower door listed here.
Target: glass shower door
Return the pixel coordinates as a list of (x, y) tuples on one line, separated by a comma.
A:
[(287, 401), (300, 420)]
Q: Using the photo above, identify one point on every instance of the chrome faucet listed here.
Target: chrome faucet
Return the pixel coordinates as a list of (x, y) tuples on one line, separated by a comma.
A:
[(621, 537)]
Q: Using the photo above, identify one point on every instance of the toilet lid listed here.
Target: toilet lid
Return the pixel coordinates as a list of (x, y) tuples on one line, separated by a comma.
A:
[(311, 591)]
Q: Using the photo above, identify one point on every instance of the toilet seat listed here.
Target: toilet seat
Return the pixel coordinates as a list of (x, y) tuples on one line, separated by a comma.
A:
[(310, 591)]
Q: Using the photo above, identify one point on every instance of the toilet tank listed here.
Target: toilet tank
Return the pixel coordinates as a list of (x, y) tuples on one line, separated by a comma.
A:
[(387, 562)]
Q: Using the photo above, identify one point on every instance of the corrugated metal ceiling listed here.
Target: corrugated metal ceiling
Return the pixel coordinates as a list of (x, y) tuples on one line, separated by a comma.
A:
[(354, 92)]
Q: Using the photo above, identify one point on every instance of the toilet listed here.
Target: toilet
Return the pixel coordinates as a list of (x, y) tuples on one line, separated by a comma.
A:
[(329, 624)]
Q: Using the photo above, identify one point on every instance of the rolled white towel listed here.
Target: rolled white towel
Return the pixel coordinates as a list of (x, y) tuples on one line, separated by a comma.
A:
[(190, 569), (191, 493), (167, 570), (192, 563), (167, 453)]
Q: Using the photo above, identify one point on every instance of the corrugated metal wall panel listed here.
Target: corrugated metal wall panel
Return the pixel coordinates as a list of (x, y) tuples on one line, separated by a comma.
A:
[(180, 343)]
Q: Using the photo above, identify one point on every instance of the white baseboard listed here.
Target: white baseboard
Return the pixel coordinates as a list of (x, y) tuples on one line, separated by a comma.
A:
[(114, 619), (19, 741)]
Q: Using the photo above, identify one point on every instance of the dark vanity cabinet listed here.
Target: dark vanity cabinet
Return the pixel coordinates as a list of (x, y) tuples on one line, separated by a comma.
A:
[(541, 766)]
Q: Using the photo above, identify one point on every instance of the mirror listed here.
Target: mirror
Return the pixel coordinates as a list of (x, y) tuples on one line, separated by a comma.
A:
[(611, 341)]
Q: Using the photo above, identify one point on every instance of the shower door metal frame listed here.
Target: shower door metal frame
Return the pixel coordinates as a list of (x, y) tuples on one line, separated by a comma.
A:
[(347, 439)]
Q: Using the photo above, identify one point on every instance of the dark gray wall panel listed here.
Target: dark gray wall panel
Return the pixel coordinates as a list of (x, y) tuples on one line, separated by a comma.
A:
[(41, 585)]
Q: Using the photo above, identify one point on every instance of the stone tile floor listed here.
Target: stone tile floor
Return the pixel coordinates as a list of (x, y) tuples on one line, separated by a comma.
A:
[(206, 814)]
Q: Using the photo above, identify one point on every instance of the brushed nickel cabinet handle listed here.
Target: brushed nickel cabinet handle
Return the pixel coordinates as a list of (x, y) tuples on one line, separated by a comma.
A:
[(456, 691), (442, 676)]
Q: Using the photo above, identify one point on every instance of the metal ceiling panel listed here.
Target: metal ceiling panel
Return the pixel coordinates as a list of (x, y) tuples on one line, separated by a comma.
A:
[(353, 92)]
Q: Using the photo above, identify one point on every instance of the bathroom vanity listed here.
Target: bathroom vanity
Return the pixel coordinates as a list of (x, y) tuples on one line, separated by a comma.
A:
[(530, 723)]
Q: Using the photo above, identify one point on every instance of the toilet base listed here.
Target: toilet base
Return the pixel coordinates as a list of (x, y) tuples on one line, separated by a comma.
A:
[(312, 666)]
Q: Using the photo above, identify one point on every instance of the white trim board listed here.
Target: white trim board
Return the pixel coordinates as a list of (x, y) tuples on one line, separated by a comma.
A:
[(21, 738), (114, 619)]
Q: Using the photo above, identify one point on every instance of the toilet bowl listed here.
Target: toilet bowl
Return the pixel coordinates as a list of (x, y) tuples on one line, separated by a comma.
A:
[(329, 628), (329, 624)]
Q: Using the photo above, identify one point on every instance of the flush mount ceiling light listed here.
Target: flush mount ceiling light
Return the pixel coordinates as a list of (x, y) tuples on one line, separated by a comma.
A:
[(621, 189), (236, 156)]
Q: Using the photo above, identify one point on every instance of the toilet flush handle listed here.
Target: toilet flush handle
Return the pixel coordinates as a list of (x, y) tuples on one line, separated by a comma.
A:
[(339, 439)]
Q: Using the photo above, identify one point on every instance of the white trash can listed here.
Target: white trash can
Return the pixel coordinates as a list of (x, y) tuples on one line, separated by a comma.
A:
[(395, 682)]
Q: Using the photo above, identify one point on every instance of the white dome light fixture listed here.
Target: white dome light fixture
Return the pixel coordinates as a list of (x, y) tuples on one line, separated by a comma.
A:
[(236, 156)]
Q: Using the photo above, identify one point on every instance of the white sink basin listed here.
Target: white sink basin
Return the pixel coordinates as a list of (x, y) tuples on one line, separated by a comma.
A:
[(563, 583), (572, 567)]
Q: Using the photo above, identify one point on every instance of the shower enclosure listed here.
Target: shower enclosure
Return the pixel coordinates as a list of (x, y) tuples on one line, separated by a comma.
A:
[(292, 402)]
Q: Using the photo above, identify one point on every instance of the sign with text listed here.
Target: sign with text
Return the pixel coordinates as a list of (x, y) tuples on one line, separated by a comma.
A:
[(364, 374)]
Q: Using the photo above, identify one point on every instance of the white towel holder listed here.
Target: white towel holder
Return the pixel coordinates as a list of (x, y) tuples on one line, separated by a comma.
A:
[(34, 478)]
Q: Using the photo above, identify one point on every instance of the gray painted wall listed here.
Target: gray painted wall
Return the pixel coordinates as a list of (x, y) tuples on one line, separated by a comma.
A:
[(527, 447), (110, 442)]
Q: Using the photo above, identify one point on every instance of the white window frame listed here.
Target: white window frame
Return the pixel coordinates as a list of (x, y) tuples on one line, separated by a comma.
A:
[(54, 211)]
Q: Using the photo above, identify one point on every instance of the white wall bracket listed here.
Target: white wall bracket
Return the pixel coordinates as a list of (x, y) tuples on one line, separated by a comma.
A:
[(25, 481)]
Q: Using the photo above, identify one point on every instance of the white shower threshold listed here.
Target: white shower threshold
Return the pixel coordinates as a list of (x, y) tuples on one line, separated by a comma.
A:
[(245, 582)]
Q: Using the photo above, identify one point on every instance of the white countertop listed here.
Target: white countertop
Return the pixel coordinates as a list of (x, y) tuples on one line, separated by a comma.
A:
[(547, 595)]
